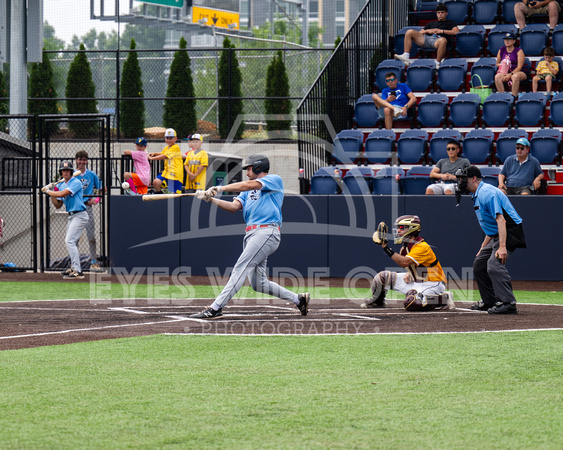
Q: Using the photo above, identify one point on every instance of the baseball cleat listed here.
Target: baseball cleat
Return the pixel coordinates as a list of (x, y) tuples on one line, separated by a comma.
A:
[(480, 306), (74, 275), (369, 303), (503, 308), (67, 272), (208, 313), (303, 305)]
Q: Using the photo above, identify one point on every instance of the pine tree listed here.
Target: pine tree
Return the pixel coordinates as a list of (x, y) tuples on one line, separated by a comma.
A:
[(277, 85), (4, 102), (230, 85), (41, 85), (79, 85), (132, 112), (180, 114)]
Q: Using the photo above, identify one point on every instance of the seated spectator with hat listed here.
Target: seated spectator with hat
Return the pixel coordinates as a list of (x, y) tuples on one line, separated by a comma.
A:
[(521, 173)]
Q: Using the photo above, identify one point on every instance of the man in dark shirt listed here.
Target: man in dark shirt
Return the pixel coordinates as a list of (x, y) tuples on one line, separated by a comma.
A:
[(435, 34)]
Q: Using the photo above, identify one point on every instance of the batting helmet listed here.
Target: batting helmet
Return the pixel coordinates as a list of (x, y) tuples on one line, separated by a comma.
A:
[(411, 223), (259, 163), (66, 165)]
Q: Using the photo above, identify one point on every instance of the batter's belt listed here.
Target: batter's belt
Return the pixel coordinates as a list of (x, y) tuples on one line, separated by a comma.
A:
[(253, 227)]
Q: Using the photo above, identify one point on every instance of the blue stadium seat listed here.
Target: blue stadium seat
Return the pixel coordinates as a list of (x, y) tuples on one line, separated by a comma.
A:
[(416, 180), (432, 110), (439, 142), (490, 175), (496, 36), (485, 11), (358, 181), (533, 38), (557, 40), (556, 82), (420, 74), (464, 110), (556, 110), (457, 10), (506, 143), (388, 65), (477, 145), (425, 10), (529, 109), (451, 74), (497, 109), (486, 68), (508, 10), (365, 113), (325, 181), (385, 181), (379, 146), (545, 144), (400, 41), (469, 41), (347, 146), (411, 146)]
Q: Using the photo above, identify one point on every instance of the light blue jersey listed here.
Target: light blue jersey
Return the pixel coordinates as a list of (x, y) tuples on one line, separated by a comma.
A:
[(90, 181), (75, 201), (261, 207)]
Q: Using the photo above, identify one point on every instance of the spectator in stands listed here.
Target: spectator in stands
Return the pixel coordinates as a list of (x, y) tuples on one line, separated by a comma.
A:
[(527, 8), (395, 100), (546, 70), (521, 173), (437, 34), (173, 173), (510, 61), (195, 164), (444, 171)]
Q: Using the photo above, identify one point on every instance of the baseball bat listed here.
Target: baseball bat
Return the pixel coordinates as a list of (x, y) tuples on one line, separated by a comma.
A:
[(50, 185), (154, 197)]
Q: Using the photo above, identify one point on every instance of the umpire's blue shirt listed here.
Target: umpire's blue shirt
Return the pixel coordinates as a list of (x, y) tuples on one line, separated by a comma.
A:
[(488, 201)]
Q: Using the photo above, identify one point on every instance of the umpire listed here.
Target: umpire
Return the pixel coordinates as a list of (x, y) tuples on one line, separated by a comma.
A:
[(503, 234)]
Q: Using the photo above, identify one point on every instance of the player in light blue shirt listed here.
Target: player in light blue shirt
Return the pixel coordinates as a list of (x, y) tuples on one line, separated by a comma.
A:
[(260, 200)]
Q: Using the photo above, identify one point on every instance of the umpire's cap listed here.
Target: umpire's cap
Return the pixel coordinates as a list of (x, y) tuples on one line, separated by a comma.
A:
[(469, 172), (259, 163)]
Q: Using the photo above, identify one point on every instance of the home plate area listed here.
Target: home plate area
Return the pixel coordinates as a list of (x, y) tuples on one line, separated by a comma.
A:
[(39, 323)]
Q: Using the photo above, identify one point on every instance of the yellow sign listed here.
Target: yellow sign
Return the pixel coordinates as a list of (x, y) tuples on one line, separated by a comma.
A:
[(216, 17)]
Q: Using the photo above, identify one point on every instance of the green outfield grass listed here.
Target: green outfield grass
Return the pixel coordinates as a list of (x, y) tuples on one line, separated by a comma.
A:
[(495, 390)]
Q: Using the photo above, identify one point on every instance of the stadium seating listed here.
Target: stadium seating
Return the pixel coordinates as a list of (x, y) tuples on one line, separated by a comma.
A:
[(432, 110), (485, 11), (420, 74), (385, 181), (411, 146), (557, 40), (358, 181), (533, 38), (544, 145), (365, 113), (556, 110), (508, 10), (506, 143), (347, 146), (490, 175), (497, 109), (457, 10), (464, 110), (486, 68), (378, 146), (388, 65), (556, 82), (326, 181), (477, 145), (400, 41), (529, 109), (416, 180), (469, 41), (496, 36), (439, 142), (451, 74)]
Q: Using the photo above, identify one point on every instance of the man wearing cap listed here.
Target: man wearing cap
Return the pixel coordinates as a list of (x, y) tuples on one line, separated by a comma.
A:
[(521, 173), (527, 8), (503, 234), (195, 164), (173, 172), (139, 179), (510, 62)]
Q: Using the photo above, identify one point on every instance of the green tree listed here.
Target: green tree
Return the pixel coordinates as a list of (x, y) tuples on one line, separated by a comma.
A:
[(132, 112), (42, 92), (80, 92), (180, 114), (277, 85), (230, 85), (4, 101), (50, 41)]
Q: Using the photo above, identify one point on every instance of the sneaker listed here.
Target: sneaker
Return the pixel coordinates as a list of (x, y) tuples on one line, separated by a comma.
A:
[(303, 305), (67, 272), (437, 65), (503, 308), (403, 58), (208, 313), (74, 275), (480, 306)]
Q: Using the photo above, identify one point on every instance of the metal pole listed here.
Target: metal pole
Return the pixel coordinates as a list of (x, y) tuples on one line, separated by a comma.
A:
[(18, 69)]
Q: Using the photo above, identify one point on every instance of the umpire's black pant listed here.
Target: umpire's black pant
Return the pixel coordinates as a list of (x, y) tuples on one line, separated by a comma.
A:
[(492, 277)]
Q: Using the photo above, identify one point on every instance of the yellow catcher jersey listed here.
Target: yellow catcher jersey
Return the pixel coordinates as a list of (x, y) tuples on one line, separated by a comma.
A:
[(427, 267), (173, 167), (193, 162)]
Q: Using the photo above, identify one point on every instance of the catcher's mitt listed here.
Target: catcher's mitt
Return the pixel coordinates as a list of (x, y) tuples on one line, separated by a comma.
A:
[(380, 235)]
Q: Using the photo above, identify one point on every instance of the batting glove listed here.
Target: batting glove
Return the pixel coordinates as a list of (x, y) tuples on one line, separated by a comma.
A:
[(202, 195), (213, 191), (47, 187)]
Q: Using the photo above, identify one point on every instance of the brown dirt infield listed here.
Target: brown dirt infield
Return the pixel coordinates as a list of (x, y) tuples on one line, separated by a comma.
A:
[(40, 323)]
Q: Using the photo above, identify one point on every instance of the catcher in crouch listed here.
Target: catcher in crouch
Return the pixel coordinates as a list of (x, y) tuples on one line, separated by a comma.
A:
[(424, 281)]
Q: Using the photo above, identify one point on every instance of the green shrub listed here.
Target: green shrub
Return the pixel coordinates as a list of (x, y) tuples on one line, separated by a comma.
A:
[(230, 85), (132, 112), (277, 85)]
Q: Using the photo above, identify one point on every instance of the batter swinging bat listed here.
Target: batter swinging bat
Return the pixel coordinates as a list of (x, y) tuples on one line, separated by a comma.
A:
[(49, 186), (154, 197)]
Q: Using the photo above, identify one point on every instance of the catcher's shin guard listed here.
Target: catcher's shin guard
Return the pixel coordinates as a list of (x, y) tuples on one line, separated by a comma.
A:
[(381, 283), (416, 301)]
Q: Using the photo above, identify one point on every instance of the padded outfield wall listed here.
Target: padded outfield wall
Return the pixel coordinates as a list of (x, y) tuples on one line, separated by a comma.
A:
[(322, 235)]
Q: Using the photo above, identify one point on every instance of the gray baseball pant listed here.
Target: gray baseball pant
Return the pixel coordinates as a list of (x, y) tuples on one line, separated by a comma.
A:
[(493, 279), (91, 232), (258, 244), (74, 229)]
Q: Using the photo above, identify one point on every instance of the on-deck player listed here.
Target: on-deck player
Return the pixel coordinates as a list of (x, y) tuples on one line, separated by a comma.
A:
[(260, 199)]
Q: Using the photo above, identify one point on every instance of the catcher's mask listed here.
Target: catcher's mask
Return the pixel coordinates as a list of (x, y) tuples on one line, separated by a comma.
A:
[(65, 165), (259, 163), (410, 223)]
